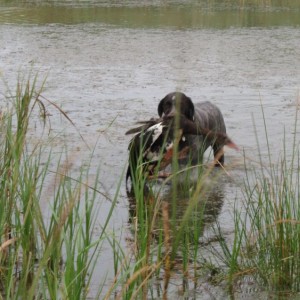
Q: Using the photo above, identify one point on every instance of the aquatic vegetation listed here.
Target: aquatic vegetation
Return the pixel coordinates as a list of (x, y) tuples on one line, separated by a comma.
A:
[(47, 249), (266, 245)]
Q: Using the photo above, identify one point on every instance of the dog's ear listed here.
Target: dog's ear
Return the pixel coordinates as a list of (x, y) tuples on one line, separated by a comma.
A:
[(160, 108), (190, 109)]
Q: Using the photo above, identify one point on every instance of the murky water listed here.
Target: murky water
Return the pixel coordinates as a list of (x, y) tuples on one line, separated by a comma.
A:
[(108, 65)]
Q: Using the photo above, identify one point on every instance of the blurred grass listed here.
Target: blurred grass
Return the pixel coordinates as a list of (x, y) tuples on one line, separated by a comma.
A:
[(46, 254)]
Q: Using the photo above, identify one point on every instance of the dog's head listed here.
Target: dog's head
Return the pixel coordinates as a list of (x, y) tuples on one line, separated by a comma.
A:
[(176, 102)]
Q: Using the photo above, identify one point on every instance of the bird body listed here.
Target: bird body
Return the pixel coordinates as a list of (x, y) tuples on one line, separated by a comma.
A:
[(152, 146)]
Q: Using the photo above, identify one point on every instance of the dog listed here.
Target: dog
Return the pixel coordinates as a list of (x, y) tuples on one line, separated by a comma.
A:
[(206, 116)]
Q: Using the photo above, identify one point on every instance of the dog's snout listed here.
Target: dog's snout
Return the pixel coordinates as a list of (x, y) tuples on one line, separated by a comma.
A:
[(169, 108), (170, 112)]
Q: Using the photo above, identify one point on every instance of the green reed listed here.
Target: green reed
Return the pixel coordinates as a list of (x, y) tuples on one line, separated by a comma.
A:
[(266, 244), (47, 215)]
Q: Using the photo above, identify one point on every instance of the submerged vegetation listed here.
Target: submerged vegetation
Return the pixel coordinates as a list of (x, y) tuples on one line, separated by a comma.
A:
[(48, 216)]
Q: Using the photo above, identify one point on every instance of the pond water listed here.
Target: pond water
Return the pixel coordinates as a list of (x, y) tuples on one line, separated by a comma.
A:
[(107, 64)]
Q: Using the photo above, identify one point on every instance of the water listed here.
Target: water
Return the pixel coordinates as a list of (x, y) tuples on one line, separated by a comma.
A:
[(108, 65)]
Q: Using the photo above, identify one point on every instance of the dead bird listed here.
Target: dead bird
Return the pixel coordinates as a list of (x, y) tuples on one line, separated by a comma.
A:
[(155, 142)]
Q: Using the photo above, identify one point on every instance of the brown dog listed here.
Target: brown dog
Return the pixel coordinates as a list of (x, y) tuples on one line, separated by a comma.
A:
[(206, 116)]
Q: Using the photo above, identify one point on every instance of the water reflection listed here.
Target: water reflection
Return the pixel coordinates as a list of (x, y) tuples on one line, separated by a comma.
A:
[(204, 208), (160, 14), (203, 211)]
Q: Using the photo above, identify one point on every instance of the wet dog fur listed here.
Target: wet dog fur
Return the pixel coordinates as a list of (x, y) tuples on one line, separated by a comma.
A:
[(206, 116)]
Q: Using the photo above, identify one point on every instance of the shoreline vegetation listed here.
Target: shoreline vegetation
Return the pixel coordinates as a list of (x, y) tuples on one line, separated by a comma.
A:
[(52, 252)]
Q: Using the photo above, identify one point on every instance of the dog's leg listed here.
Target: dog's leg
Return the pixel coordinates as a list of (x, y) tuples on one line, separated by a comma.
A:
[(218, 155), (160, 175)]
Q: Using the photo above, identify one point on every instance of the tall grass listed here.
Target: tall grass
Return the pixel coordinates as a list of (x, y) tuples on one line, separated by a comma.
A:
[(266, 244), (47, 250)]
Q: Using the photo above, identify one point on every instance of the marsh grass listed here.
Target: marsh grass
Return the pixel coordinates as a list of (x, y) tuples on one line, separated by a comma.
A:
[(47, 250), (265, 245)]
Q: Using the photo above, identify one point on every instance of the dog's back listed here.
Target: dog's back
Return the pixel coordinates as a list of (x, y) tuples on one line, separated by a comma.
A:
[(207, 116)]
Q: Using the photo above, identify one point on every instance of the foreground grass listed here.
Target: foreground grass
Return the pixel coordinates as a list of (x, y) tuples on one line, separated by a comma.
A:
[(266, 242), (47, 250)]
